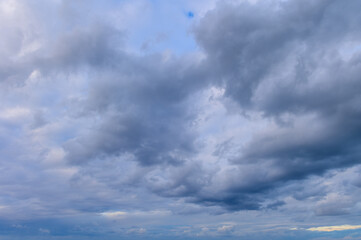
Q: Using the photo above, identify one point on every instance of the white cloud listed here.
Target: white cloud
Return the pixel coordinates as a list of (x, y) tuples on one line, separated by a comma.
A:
[(44, 230), (225, 228), (140, 214), (334, 228), (15, 113), (137, 231)]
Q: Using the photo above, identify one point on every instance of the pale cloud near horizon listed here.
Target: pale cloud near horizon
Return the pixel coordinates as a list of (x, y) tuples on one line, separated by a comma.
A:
[(334, 228)]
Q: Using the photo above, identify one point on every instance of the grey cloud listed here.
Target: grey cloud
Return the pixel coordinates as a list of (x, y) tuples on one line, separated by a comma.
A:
[(95, 46), (142, 99), (183, 181), (231, 201), (275, 205), (143, 103), (247, 44), (275, 58), (281, 60)]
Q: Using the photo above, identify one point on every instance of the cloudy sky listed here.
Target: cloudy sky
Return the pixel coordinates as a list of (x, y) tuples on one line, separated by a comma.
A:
[(182, 119)]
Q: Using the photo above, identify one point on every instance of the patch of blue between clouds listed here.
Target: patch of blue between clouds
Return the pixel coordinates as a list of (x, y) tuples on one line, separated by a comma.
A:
[(190, 14)]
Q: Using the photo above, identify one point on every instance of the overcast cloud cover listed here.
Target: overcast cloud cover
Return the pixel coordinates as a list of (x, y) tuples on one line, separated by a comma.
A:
[(184, 119)]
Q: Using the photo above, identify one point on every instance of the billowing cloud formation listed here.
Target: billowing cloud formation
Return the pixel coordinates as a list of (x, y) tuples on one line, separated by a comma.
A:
[(261, 118), (281, 60)]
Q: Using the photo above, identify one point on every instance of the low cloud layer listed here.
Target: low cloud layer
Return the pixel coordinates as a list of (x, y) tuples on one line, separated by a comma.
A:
[(334, 228)]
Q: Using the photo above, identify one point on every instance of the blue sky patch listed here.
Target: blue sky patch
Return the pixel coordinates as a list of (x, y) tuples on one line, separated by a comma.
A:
[(190, 14)]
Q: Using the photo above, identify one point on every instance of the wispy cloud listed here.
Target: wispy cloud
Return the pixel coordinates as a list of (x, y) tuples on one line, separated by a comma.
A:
[(117, 214), (334, 228), (121, 214)]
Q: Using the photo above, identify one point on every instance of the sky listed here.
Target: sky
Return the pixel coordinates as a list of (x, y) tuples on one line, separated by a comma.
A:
[(182, 119)]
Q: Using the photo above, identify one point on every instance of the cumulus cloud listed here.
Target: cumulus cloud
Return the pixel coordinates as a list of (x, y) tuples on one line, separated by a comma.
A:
[(277, 59), (262, 116)]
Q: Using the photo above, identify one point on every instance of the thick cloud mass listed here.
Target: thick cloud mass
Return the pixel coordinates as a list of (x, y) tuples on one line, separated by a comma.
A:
[(263, 115), (144, 113), (285, 60)]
